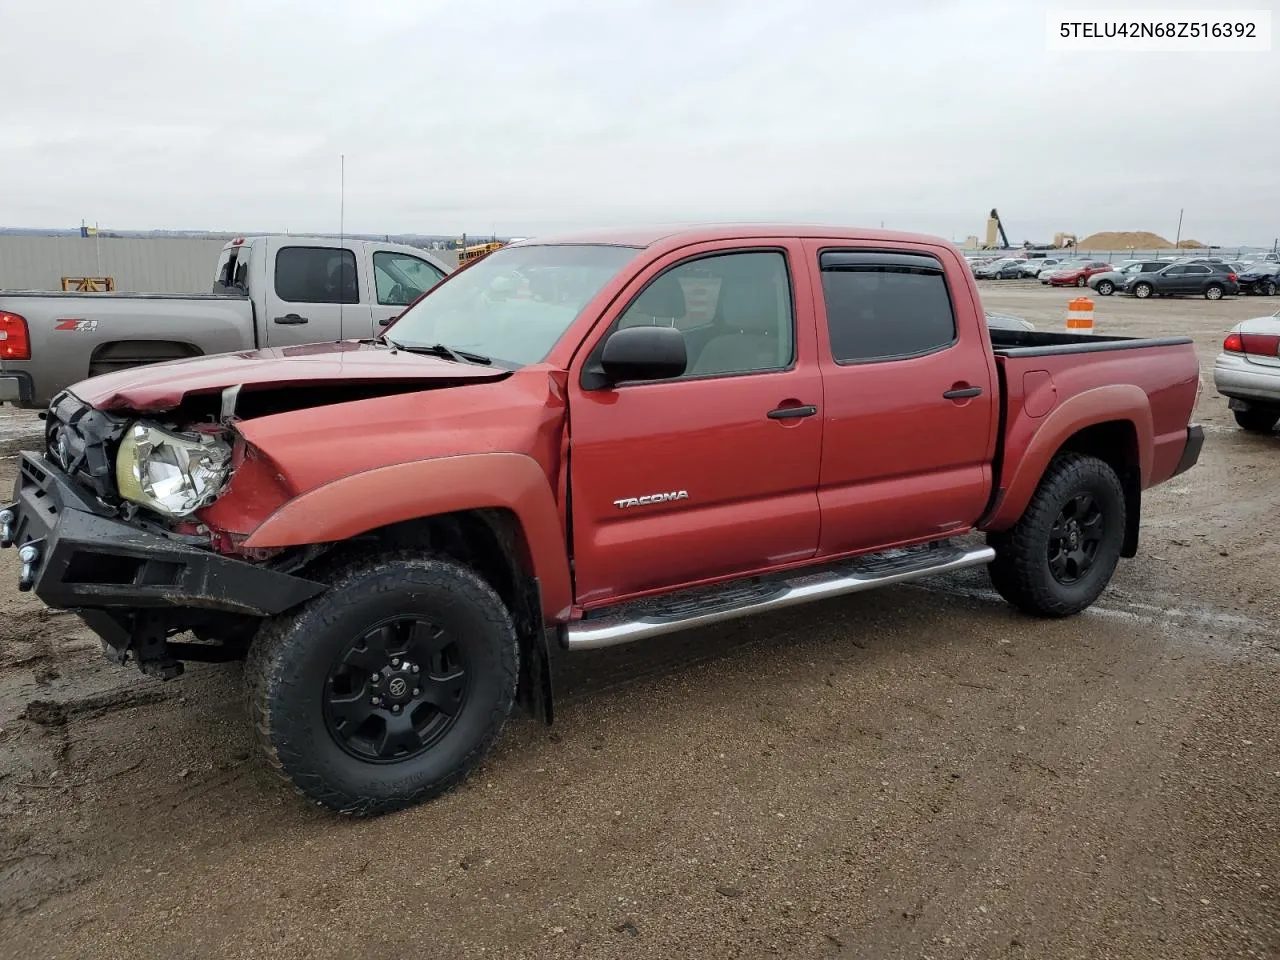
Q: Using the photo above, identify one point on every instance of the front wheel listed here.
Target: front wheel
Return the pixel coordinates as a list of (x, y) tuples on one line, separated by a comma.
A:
[(1142, 291), (1060, 556), (1269, 288), (1257, 419), (1213, 292), (388, 688), (1106, 288)]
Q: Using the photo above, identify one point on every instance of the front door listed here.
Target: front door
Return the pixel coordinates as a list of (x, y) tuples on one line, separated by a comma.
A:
[(714, 473), (911, 408), (313, 294)]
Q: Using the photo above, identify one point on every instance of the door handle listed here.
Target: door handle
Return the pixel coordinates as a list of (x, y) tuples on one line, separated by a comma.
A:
[(290, 318), (384, 321), (960, 393), (792, 413)]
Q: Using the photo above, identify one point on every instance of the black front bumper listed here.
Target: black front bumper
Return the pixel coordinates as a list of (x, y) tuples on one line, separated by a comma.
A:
[(1191, 452), (88, 560)]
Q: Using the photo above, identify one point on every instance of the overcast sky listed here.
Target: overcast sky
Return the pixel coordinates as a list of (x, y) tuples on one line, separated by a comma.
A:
[(526, 116)]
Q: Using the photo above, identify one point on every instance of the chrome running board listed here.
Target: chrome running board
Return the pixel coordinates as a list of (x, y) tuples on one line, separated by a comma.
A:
[(702, 607)]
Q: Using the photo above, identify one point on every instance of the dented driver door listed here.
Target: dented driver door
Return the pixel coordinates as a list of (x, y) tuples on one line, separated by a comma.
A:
[(715, 473)]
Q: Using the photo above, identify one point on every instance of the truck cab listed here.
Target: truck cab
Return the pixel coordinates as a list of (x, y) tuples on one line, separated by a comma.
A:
[(318, 289)]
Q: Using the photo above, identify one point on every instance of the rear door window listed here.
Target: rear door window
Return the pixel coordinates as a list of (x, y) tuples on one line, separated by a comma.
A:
[(316, 275), (885, 306)]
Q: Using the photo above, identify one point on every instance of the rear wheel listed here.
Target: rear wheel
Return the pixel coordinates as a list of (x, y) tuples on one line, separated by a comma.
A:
[(1258, 419), (1081, 281), (1106, 288), (1058, 558), (1142, 290), (1213, 291), (387, 689)]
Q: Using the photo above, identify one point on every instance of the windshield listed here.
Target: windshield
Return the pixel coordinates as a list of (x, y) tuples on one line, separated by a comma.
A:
[(514, 304)]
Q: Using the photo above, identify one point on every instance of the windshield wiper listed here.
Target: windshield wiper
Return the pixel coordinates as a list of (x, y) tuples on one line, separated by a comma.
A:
[(449, 353), (437, 350)]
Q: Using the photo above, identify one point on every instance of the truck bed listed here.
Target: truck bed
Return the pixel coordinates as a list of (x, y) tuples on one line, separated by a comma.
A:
[(1055, 385), (77, 335)]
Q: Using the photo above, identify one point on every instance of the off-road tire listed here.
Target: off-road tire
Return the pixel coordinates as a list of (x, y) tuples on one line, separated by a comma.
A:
[(1257, 419), (1020, 572), (290, 659)]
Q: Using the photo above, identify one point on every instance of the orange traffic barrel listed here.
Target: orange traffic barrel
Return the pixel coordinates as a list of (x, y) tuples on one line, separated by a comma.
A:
[(1080, 315)]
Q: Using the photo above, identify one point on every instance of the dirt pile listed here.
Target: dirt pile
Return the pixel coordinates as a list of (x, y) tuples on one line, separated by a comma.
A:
[(1137, 239)]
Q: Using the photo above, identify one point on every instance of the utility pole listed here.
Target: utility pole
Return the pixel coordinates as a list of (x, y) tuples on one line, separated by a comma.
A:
[(1178, 240)]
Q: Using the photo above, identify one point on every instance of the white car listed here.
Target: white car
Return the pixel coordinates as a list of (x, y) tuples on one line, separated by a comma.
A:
[(1032, 268), (1247, 372)]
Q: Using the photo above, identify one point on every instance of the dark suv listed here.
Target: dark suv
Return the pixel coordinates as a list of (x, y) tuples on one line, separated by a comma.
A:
[(1213, 281)]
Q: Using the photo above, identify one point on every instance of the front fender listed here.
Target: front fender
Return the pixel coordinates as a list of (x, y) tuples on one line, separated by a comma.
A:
[(1119, 401), (356, 504)]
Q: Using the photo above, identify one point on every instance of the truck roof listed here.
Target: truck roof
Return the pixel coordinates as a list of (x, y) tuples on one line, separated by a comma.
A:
[(682, 234)]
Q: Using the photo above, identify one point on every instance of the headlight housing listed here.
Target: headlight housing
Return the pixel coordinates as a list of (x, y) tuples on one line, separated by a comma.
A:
[(173, 474)]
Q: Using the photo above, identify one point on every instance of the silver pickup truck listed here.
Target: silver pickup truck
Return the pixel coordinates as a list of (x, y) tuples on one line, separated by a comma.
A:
[(269, 291)]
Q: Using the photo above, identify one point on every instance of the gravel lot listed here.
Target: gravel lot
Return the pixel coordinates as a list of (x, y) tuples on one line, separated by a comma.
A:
[(913, 773)]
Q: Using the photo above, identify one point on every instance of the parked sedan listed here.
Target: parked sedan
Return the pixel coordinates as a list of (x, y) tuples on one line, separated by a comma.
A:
[(1209, 280), (992, 270), (1107, 281), (1247, 373), (1045, 275), (1260, 278), (1032, 268), (1078, 273)]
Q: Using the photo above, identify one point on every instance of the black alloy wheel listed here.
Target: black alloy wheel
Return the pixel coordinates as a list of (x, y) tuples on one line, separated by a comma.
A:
[(396, 690), (1074, 539)]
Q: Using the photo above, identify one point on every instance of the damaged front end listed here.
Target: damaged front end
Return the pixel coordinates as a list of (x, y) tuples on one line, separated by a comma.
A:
[(106, 525)]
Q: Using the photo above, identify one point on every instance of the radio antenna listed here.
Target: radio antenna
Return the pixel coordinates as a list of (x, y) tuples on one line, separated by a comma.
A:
[(342, 236)]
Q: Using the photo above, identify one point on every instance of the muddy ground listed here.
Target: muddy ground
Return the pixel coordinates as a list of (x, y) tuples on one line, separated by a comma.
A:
[(915, 773)]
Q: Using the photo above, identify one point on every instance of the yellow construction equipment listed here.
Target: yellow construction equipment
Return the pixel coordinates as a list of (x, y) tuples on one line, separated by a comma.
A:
[(89, 284)]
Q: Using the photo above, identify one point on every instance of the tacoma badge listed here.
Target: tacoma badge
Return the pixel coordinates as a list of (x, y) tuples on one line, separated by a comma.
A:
[(651, 498)]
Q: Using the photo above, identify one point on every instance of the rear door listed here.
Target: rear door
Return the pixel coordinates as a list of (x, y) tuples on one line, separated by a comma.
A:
[(1195, 278), (909, 426), (399, 278), (1171, 279), (314, 293), (730, 449)]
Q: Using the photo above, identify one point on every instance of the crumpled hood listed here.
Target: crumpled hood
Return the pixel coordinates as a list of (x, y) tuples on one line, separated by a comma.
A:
[(163, 386)]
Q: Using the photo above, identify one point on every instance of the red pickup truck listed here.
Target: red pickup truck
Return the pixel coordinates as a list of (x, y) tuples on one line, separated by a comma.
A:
[(574, 443)]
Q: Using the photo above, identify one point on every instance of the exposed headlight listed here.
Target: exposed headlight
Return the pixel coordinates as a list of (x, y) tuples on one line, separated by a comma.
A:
[(171, 473)]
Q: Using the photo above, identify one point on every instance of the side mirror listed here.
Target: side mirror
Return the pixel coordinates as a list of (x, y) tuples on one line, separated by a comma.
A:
[(641, 353)]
